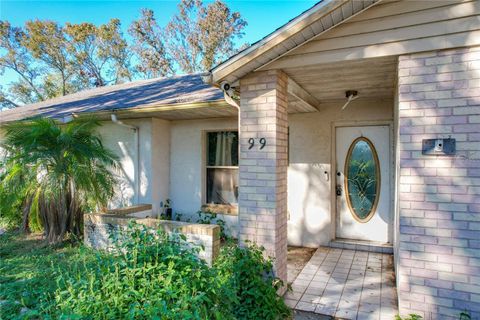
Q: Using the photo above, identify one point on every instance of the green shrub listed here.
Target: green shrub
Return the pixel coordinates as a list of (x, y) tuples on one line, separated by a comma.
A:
[(55, 172), (206, 217), (11, 201), (159, 276), (28, 271), (249, 275), (155, 277), (10, 208)]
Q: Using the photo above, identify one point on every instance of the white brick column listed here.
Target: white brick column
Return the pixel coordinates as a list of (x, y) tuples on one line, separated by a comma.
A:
[(439, 246), (263, 172)]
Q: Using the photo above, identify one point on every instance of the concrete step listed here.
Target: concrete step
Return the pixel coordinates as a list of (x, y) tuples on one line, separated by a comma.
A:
[(362, 245), (304, 315)]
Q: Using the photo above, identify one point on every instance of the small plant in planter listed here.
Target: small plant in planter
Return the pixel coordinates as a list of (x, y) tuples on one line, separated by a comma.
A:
[(178, 216), (206, 217), (411, 316), (166, 210)]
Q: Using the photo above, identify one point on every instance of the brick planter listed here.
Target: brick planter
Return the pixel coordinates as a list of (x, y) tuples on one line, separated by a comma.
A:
[(99, 227)]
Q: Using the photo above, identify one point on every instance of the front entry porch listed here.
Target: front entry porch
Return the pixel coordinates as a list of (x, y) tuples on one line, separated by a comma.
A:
[(346, 284)]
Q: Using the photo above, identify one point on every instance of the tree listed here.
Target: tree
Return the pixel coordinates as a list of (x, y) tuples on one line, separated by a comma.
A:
[(149, 45), (43, 72), (52, 60), (196, 38), (201, 36), (5, 101), (58, 172), (47, 42), (17, 59), (99, 54)]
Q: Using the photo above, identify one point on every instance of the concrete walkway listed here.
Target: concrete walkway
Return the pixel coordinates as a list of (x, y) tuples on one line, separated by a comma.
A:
[(346, 284)]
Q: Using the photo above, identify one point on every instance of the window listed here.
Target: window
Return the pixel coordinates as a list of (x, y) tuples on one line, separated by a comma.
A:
[(222, 167), (362, 179)]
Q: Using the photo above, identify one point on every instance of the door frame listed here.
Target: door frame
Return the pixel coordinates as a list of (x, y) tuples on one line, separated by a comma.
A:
[(333, 167)]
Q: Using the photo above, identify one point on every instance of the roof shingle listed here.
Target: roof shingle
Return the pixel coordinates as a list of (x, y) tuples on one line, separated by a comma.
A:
[(184, 89)]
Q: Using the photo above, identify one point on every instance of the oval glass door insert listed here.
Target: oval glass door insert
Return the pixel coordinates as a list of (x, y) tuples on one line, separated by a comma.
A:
[(362, 179)]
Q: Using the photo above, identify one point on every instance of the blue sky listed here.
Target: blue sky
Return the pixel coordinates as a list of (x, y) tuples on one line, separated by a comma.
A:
[(262, 16)]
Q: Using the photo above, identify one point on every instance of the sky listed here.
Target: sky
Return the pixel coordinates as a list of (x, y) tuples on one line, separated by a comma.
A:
[(262, 16)]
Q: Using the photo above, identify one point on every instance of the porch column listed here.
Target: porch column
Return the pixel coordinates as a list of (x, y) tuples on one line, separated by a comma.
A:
[(439, 250), (263, 164)]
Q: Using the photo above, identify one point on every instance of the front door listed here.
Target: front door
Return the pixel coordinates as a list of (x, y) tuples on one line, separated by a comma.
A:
[(363, 183)]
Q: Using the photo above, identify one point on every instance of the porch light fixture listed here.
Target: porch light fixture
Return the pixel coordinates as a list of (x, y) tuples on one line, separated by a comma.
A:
[(350, 95)]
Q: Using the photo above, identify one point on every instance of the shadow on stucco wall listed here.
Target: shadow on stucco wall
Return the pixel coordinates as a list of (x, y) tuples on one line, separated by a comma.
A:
[(309, 204)]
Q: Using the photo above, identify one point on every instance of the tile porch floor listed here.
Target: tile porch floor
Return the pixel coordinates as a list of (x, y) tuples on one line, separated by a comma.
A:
[(346, 284)]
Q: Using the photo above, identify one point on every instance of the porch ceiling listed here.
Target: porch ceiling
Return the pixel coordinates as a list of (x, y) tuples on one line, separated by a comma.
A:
[(372, 78)]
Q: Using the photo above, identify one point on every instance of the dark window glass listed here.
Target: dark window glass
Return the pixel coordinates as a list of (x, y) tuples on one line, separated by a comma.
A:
[(222, 167), (222, 186), (222, 148)]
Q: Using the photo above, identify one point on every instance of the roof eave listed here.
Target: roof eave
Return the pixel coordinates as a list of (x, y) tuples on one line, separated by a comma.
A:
[(283, 33), (304, 28), (125, 112)]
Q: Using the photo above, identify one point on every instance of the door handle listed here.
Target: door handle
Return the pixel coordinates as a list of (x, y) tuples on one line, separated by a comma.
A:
[(338, 190)]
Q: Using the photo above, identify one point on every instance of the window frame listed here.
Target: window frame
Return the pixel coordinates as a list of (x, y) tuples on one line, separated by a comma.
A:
[(226, 209)]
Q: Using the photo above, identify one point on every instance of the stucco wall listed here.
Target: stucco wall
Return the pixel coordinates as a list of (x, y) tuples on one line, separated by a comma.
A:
[(309, 188), (310, 156), (160, 178), (154, 161), (154, 146), (187, 165), (121, 140), (172, 165)]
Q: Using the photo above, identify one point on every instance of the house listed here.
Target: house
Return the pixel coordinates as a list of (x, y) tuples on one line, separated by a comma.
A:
[(357, 122)]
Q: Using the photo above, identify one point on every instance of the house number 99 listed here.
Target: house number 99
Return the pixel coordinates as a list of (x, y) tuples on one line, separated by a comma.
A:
[(262, 142)]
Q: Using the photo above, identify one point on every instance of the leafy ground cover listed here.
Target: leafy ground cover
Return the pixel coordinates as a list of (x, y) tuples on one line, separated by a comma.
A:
[(152, 276), (28, 271)]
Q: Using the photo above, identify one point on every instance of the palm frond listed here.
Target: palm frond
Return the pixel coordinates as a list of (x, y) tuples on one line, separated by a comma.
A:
[(61, 169)]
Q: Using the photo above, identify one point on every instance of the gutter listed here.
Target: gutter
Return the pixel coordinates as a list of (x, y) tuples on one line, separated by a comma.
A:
[(228, 94), (106, 114), (228, 91)]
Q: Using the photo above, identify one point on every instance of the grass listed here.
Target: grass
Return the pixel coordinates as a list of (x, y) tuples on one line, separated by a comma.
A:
[(28, 269)]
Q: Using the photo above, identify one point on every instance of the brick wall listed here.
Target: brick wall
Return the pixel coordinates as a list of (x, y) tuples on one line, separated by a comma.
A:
[(263, 172), (439, 242)]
